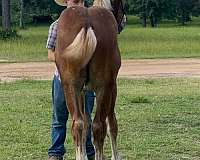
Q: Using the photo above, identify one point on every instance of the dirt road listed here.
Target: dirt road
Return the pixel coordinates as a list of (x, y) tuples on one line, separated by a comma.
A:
[(151, 68)]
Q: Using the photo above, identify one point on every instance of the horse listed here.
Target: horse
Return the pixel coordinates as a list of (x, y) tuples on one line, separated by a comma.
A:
[(87, 57)]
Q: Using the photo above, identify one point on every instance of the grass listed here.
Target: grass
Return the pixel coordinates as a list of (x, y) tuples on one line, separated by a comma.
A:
[(169, 40), (30, 47), (158, 119), (160, 42)]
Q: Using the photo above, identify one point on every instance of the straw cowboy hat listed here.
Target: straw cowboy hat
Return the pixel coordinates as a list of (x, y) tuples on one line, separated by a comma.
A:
[(61, 2)]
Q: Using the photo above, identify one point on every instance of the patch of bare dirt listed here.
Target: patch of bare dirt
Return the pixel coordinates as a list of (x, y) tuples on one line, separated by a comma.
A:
[(148, 68)]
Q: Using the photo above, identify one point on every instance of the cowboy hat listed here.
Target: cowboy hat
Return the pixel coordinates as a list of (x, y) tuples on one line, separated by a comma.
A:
[(61, 2)]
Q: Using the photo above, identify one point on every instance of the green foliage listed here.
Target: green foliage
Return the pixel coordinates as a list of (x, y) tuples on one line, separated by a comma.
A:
[(156, 10), (44, 7), (168, 9), (5, 35), (184, 10), (15, 11), (0, 8), (196, 8), (129, 6), (33, 8)]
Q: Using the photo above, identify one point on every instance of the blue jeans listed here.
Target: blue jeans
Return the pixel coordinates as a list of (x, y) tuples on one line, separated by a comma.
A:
[(60, 117)]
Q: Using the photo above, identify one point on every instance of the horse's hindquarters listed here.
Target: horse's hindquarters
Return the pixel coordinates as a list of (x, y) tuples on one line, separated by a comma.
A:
[(75, 25)]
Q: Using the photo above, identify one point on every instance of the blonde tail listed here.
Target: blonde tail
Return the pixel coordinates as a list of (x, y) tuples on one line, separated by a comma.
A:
[(83, 47)]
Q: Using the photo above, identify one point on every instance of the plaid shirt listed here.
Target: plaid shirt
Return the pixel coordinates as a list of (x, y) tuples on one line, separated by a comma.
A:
[(51, 42)]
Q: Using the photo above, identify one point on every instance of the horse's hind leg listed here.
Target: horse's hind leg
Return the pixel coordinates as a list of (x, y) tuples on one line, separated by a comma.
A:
[(103, 100), (79, 118), (112, 128)]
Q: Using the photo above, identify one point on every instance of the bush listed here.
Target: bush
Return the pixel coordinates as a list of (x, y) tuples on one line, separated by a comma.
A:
[(8, 34)]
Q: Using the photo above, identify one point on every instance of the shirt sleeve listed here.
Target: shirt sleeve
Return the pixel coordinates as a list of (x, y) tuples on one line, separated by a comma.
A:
[(51, 41)]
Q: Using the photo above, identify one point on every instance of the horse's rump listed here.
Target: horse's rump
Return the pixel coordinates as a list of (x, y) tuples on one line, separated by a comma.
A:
[(101, 21)]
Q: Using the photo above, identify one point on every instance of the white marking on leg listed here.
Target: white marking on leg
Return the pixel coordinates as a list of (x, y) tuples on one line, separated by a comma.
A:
[(78, 152), (115, 154), (84, 151), (81, 155)]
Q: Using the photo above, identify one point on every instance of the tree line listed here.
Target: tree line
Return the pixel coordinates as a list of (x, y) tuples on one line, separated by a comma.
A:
[(156, 10), (20, 12)]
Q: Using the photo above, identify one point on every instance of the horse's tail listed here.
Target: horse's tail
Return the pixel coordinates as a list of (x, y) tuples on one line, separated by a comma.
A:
[(83, 47)]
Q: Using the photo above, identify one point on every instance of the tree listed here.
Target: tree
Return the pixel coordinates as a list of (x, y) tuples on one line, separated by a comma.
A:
[(167, 9), (148, 9), (196, 9), (184, 10), (129, 6), (6, 20), (21, 22), (141, 10), (153, 12)]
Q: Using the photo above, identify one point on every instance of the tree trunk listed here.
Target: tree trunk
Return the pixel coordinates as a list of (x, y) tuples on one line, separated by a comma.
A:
[(6, 20), (21, 22), (144, 16), (153, 21), (183, 18), (144, 20)]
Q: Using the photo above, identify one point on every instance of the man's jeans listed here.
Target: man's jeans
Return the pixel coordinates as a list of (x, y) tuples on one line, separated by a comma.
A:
[(60, 117)]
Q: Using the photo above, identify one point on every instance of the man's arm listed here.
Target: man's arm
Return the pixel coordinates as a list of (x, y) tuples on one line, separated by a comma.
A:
[(51, 42), (51, 55)]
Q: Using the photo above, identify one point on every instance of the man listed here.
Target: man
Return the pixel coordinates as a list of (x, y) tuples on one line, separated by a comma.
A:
[(60, 112)]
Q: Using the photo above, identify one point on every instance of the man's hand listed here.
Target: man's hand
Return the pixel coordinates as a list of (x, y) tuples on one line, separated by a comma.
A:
[(51, 55)]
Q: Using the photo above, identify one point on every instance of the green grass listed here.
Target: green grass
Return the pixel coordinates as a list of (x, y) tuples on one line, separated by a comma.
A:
[(160, 42), (30, 47), (158, 119), (169, 40)]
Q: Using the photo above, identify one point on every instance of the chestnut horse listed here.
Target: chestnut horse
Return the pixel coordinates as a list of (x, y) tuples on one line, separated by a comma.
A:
[(88, 57)]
